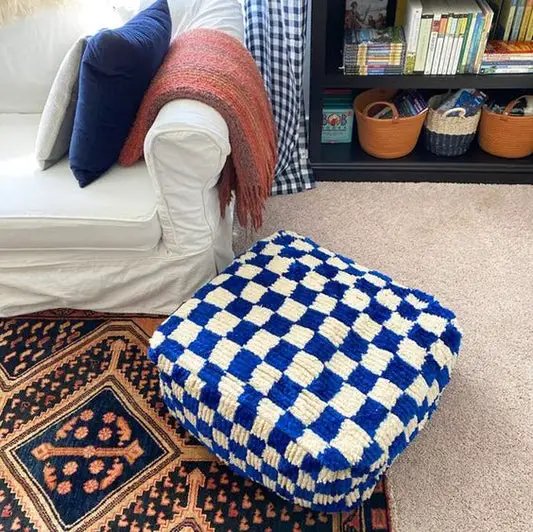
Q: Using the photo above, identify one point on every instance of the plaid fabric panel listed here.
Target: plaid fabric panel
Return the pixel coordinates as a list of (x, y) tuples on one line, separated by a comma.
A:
[(304, 370), (275, 35)]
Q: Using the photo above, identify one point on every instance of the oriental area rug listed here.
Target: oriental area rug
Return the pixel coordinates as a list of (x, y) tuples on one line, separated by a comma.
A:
[(86, 442)]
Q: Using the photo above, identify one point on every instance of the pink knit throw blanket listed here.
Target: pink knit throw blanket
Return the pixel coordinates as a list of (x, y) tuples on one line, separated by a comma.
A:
[(216, 69)]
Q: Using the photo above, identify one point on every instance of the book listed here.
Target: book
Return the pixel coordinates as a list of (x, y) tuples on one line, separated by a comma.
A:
[(452, 43), (359, 14), (472, 9), (496, 6), (476, 35), (507, 56), (408, 103), (432, 47), (413, 14), (466, 25), (529, 32), (506, 70), (525, 20), (517, 21), (498, 50), (440, 40), (488, 14), (459, 37), (400, 17), (371, 51), (426, 21), (507, 64), (511, 64), (505, 21), (445, 54), (365, 71)]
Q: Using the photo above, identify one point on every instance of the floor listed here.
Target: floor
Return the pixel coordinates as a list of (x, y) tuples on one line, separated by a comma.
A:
[(471, 469)]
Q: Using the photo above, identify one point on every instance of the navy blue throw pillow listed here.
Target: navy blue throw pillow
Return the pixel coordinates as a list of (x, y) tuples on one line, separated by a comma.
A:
[(116, 70)]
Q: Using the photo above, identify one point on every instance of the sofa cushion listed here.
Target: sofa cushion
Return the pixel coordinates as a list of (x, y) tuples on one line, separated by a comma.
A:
[(32, 48), (116, 69), (47, 210)]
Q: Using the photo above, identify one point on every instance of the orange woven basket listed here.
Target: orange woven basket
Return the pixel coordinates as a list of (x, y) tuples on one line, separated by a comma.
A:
[(385, 138), (504, 135)]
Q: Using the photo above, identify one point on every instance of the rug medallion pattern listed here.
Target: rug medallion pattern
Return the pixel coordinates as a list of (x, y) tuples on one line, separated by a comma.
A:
[(86, 442)]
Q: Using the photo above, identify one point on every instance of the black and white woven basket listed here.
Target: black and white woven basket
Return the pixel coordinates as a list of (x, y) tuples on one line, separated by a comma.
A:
[(447, 135)]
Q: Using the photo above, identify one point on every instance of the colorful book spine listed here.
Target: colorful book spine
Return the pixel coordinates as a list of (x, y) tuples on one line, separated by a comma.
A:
[(445, 55), (440, 43), (462, 41), (509, 63), (508, 59), (517, 21), (509, 21), (413, 15), (525, 20), (506, 70), (505, 23), (468, 46), (453, 43), (480, 20), (423, 41), (362, 52), (432, 49), (488, 14), (529, 32), (502, 50), (400, 18), (462, 52), (460, 35)]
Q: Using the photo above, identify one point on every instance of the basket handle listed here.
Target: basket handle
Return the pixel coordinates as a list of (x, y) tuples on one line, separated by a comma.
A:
[(509, 107), (395, 114), (462, 112)]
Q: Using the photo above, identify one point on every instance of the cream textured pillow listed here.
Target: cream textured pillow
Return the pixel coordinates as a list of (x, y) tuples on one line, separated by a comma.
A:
[(57, 120)]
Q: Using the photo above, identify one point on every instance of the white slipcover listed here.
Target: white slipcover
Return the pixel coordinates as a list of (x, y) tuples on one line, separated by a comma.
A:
[(48, 210), (137, 240)]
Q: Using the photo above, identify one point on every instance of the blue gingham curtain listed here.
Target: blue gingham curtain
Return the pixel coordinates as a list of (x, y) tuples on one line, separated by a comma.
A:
[(275, 35)]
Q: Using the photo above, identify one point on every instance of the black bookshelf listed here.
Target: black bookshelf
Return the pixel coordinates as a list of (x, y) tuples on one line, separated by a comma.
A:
[(492, 81), (348, 162)]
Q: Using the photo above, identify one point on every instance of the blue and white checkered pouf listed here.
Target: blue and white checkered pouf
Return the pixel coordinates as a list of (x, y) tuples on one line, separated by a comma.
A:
[(305, 371)]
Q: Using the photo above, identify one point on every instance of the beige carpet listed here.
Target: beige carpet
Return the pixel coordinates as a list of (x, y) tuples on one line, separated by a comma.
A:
[(471, 469)]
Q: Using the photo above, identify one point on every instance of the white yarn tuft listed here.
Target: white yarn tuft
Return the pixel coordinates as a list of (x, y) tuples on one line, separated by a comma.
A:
[(11, 10)]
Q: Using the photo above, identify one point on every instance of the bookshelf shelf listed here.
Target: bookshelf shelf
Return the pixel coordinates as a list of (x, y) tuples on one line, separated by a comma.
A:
[(348, 162), (492, 81), (341, 161)]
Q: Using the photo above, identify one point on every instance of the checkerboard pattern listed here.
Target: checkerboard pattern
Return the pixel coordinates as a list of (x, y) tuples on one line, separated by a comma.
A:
[(305, 371), (275, 34)]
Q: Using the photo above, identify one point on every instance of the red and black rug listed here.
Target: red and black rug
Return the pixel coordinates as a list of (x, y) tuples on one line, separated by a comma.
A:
[(86, 442)]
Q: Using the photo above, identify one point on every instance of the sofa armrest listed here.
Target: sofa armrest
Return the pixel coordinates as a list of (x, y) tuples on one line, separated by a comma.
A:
[(185, 151)]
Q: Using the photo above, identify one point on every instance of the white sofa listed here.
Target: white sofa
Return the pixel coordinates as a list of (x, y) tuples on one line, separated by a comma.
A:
[(139, 239)]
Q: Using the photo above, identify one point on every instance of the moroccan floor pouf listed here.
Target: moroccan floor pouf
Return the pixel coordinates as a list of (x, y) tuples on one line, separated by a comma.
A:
[(305, 371)]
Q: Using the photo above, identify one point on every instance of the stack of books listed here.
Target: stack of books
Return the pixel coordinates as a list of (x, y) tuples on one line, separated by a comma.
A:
[(446, 37), (374, 52), (507, 57), (408, 103), (515, 21)]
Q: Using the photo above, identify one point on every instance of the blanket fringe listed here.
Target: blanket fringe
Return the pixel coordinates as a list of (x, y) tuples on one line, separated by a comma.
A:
[(211, 67)]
